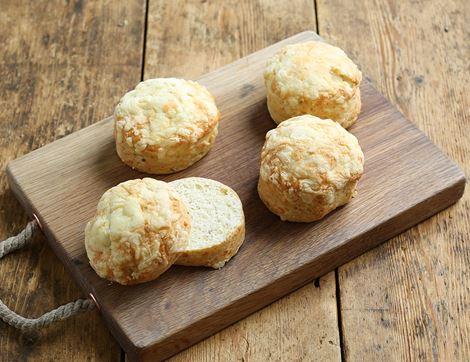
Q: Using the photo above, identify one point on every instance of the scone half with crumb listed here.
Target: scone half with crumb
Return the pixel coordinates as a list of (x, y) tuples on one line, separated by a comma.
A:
[(217, 222)]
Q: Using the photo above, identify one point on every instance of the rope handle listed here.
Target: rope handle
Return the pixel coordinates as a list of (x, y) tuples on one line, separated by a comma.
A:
[(63, 312)]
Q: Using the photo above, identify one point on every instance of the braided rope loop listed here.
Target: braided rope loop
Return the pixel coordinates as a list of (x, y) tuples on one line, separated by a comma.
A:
[(63, 312)]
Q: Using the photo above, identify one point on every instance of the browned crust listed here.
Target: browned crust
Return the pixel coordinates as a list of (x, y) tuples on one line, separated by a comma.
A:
[(170, 241), (217, 255), (148, 161)]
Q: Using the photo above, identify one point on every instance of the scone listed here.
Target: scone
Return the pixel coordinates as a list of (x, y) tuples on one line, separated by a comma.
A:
[(137, 230), (218, 222), (165, 125), (313, 78), (309, 167)]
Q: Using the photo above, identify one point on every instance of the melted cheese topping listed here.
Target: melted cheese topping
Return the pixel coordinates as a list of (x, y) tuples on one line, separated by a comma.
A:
[(310, 154), (311, 69), (165, 111), (135, 229)]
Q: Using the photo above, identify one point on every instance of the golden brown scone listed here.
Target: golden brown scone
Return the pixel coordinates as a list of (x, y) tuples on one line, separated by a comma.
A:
[(217, 222), (137, 231), (309, 167), (165, 125), (313, 78)]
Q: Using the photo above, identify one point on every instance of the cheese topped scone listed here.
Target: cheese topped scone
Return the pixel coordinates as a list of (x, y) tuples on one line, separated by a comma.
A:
[(165, 125), (313, 78), (217, 219), (309, 167), (137, 231)]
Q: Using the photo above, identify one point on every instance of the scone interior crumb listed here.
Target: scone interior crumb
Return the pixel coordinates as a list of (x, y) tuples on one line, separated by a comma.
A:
[(218, 207)]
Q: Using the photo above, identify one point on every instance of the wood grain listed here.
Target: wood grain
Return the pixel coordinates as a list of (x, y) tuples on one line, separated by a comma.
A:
[(60, 71), (191, 38), (187, 39), (410, 297), (156, 319), (299, 327)]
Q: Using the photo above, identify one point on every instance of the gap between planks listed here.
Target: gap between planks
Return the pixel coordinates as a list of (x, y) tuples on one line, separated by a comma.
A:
[(144, 43), (336, 271), (122, 357)]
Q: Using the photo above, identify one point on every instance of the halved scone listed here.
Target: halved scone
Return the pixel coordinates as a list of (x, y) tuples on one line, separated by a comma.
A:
[(217, 219)]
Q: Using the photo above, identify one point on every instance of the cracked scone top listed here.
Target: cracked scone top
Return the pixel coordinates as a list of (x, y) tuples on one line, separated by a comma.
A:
[(309, 167), (313, 78), (165, 125), (138, 229)]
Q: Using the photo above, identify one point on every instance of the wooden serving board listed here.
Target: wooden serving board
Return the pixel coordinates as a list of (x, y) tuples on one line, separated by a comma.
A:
[(406, 180)]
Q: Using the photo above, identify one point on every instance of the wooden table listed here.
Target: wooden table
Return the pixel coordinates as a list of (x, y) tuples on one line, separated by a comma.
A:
[(65, 64)]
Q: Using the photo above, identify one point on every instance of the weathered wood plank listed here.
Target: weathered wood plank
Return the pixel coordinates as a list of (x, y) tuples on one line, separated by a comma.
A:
[(61, 69), (188, 39), (299, 327), (410, 297)]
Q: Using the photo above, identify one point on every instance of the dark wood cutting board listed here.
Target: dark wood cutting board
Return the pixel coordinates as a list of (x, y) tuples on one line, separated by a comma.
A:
[(406, 180)]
